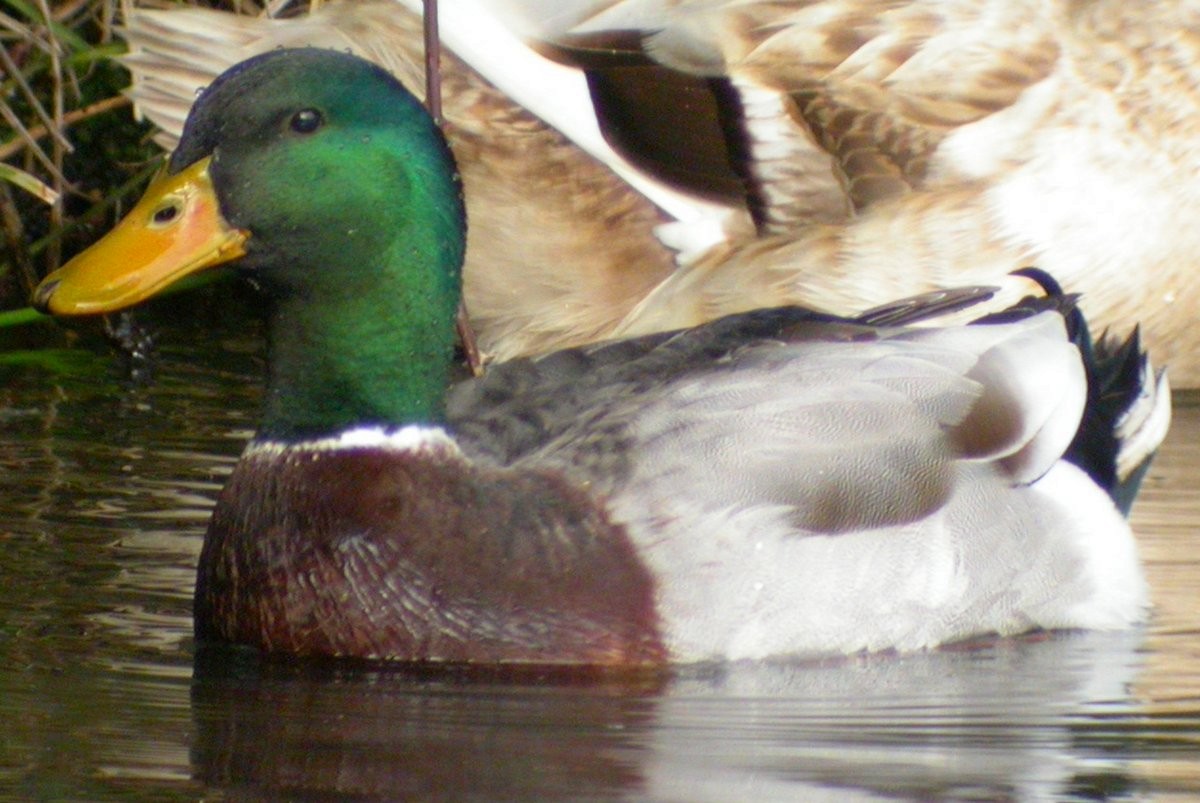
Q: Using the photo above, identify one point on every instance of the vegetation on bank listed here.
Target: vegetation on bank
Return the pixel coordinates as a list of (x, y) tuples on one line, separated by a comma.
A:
[(72, 156)]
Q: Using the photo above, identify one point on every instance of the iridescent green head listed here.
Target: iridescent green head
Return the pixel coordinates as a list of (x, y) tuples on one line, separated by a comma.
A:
[(337, 195), (319, 154)]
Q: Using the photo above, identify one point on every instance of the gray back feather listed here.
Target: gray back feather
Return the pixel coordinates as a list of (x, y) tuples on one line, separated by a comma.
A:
[(843, 426)]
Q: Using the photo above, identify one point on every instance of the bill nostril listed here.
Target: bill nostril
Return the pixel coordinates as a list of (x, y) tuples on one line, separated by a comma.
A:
[(41, 296)]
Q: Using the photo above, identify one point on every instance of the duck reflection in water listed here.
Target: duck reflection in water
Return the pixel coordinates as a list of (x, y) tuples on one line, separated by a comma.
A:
[(1032, 718)]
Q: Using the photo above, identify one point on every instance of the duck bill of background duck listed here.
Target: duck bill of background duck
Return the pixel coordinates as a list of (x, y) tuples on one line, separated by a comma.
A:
[(174, 231)]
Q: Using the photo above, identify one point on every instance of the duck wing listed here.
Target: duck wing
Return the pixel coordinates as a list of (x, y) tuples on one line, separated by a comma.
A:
[(845, 424), (829, 106)]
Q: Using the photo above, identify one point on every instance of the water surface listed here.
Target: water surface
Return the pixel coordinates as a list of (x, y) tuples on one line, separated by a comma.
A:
[(105, 485)]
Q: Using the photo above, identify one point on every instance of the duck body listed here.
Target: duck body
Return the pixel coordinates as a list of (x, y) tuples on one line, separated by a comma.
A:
[(594, 513), (773, 483), (832, 154)]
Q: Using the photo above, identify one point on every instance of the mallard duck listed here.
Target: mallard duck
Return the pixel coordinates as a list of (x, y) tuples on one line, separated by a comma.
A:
[(779, 482), (835, 153)]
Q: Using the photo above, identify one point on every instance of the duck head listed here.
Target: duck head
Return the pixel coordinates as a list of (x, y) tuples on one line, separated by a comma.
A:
[(333, 192)]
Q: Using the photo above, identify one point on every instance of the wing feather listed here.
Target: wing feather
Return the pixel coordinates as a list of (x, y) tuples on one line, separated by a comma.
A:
[(842, 426)]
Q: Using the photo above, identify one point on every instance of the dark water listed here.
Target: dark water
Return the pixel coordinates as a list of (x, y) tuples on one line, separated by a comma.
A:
[(105, 484)]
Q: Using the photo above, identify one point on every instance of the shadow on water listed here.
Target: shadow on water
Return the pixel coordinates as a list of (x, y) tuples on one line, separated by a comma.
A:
[(105, 487)]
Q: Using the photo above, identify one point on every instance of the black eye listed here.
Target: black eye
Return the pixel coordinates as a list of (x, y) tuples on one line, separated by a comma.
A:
[(306, 121), (166, 214)]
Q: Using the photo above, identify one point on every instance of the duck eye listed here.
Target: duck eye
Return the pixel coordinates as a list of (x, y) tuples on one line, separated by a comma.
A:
[(306, 121), (166, 213)]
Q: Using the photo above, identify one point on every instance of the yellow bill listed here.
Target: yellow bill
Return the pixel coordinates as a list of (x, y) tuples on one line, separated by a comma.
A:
[(175, 230)]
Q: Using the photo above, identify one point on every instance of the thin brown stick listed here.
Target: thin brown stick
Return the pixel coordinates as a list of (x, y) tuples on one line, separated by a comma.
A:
[(59, 144), (14, 238), (433, 57), (466, 336), (62, 10), (31, 96), (433, 103), (70, 118)]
